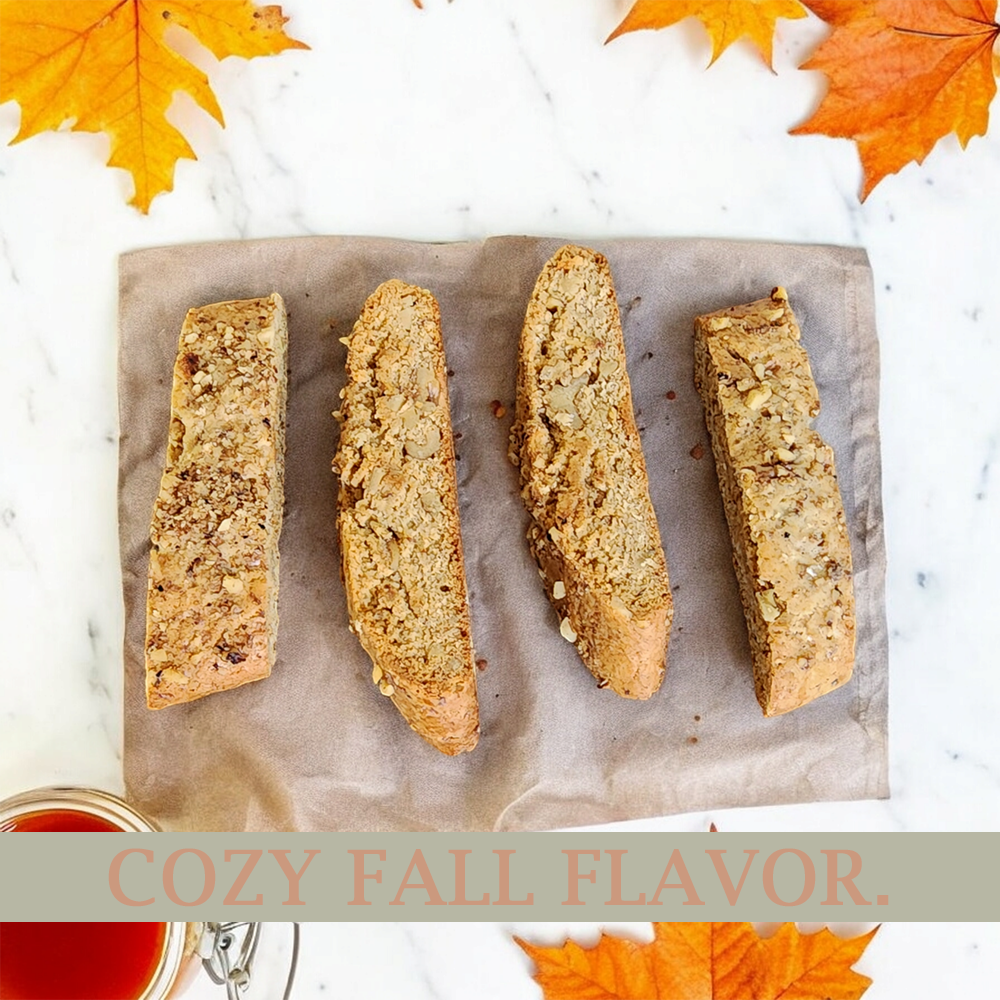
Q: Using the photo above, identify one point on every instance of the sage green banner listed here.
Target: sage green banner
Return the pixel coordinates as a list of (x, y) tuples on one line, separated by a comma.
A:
[(536, 876)]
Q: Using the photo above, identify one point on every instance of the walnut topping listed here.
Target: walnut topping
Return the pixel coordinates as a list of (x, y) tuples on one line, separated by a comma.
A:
[(173, 676), (427, 447), (583, 480), (561, 398), (398, 517), (719, 323), (768, 605), (786, 518), (431, 501), (213, 567)]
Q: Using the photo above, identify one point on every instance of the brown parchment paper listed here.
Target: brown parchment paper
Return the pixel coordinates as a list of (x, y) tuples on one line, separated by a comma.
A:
[(315, 747)]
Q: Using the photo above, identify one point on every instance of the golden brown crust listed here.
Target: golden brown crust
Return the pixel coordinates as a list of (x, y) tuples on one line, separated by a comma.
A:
[(212, 606), (583, 477), (791, 548), (401, 545)]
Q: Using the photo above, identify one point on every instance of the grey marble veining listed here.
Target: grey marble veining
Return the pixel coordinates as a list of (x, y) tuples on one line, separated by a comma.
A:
[(469, 120)]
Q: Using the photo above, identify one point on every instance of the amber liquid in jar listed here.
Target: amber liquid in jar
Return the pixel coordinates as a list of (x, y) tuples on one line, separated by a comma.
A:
[(58, 821), (78, 961)]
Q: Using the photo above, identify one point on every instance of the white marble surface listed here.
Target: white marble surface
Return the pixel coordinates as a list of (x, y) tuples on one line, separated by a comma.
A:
[(453, 961), (473, 119)]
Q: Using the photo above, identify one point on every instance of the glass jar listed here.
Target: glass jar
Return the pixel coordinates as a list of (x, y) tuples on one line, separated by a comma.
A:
[(146, 961), (70, 810), (137, 960)]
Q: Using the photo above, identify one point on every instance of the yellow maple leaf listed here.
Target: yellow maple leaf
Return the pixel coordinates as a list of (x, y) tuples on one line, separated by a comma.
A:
[(796, 966), (726, 21), (705, 961), (107, 66)]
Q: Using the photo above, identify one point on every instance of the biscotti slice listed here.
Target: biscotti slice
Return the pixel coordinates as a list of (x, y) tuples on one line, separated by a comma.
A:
[(583, 478), (790, 544), (400, 543), (212, 608)]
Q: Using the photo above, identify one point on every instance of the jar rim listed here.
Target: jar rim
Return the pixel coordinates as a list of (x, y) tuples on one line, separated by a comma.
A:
[(92, 801), (171, 961)]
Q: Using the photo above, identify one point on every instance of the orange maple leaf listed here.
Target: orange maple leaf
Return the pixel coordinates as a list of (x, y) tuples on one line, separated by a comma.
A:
[(107, 66), (725, 20), (903, 75), (705, 961)]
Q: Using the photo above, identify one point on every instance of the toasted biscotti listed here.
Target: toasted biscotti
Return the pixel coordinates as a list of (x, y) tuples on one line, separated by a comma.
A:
[(790, 544), (212, 607), (401, 547), (583, 478)]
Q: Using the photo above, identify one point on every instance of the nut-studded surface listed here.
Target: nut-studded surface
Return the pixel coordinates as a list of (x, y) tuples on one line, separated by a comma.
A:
[(593, 532), (790, 543), (400, 541), (212, 608)]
